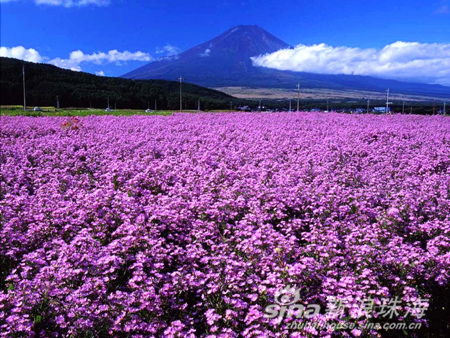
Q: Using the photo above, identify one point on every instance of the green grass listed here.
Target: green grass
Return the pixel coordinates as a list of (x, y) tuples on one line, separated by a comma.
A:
[(51, 111)]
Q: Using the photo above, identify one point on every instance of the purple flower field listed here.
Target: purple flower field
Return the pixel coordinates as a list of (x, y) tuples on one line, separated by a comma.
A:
[(188, 225)]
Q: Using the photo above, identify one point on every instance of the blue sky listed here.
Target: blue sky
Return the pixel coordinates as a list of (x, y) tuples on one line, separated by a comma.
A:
[(112, 37)]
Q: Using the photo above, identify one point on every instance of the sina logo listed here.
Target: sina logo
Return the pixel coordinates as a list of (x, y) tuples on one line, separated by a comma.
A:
[(288, 305), (287, 296)]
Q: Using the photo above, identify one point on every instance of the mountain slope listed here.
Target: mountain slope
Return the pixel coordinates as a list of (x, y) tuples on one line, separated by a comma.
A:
[(77, 89), (225, 61)]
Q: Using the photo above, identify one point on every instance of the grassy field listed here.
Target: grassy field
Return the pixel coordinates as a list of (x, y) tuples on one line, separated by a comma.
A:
[(52, 111), (320, 94)]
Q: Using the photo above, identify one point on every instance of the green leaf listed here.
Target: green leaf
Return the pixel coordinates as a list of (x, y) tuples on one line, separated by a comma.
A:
[(38, 319)]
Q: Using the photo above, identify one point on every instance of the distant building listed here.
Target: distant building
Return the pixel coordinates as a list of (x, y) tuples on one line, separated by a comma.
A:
[(244, 108), (381, 110)]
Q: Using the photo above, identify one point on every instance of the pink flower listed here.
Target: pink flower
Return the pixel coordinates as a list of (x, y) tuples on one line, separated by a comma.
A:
[(356, 332)]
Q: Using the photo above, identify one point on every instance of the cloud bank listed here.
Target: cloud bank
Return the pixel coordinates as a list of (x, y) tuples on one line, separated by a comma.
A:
[(68, 3), (73, 3), (21, 53), (407, 61), (76, 58)]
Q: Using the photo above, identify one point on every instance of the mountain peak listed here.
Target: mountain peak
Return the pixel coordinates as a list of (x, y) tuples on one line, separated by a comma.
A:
[(245, 27), (249, 28), (243, 41), (228, 54), (225, 61)]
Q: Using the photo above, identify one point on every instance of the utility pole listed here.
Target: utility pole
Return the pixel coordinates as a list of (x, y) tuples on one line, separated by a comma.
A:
[(108, 102), (115, 105), (24, 96), (198, 106), (434, 107), (231, 105), (368, 105), (327, 107), (387, 101), (444, 109), (290, 105), (298, 97), (410, 110), (259, 108), (57, 102), (403, 109), (181, 100), (155, 106)]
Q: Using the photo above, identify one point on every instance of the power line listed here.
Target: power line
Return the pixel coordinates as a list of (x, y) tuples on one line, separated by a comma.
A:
[(181, 100), (24, 96), (387, 101)]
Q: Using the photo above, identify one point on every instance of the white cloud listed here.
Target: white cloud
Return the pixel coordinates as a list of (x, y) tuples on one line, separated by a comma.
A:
[(168, 50), (76, 58), (206, 52), (68, 3), (410, 61), (21, 53), (73, 3), (100, 73)]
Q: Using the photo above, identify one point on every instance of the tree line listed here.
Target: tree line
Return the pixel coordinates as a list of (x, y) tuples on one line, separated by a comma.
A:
[(78, 89)]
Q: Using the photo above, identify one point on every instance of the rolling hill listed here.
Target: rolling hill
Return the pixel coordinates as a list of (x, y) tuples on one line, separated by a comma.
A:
[(77, 89)]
